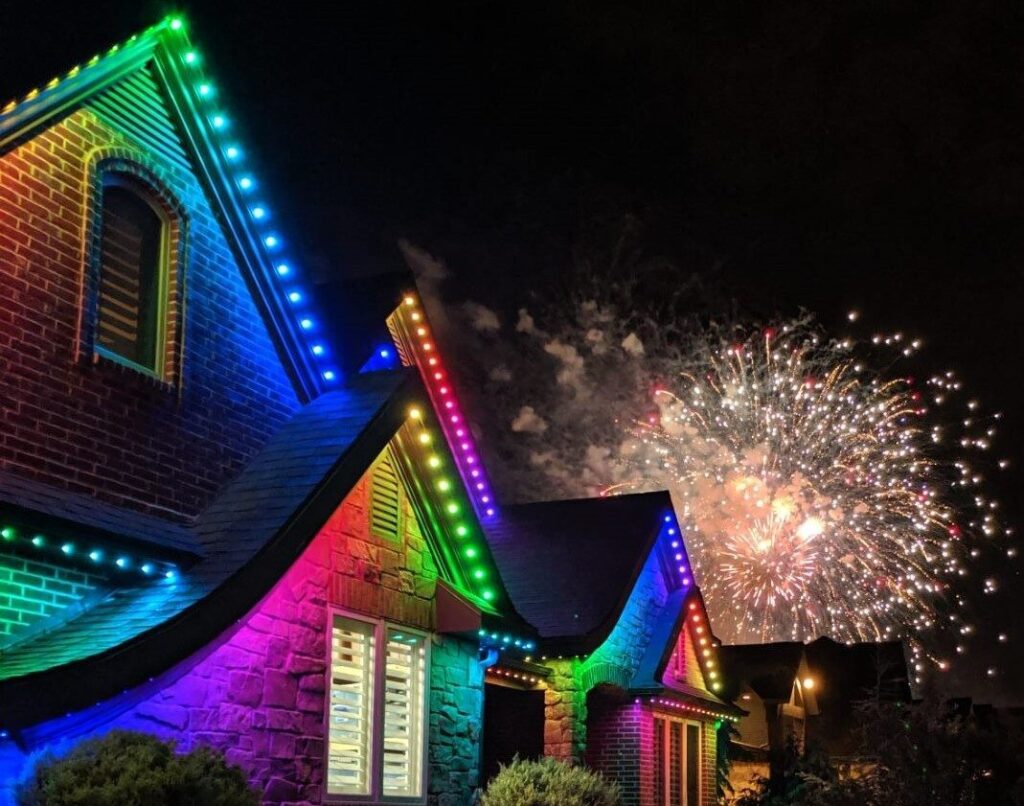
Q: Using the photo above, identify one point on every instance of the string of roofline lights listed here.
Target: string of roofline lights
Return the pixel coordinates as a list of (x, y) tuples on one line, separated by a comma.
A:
[(421, 350), (682, 706), (522, 677), (259, 214), (96, 556)]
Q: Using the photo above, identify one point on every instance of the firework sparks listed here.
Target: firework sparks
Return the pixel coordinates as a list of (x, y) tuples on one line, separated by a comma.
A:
[(811, 488)]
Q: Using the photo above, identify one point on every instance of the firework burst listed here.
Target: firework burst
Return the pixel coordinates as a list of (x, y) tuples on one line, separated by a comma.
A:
[(816, 495)]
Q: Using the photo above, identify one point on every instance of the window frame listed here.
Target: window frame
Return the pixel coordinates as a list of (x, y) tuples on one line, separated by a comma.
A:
[(149, 196), (380, 631), (666, 757)]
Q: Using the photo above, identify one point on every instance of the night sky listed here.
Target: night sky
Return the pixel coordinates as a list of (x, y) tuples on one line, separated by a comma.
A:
[(860, 154)]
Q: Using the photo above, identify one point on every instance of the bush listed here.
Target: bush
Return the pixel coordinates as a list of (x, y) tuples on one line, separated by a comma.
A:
[(549, 783), (125, 768)]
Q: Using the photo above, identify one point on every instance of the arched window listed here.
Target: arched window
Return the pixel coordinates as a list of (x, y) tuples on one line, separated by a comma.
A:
[(134, 255)]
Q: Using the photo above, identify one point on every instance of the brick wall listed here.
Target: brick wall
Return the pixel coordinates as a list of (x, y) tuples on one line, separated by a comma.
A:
[(97, 427), (31, 591), (259, 694)]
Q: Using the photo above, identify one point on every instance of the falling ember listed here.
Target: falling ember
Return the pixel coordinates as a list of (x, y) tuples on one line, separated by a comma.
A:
[(814, 497)]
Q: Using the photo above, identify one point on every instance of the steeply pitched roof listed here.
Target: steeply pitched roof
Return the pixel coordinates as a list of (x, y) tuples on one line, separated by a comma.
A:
[(859, 670), (219, 164), (570, 566), (248, 537), (769, 669)]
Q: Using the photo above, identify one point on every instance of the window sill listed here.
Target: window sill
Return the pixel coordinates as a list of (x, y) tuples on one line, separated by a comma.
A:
[(112, 361)]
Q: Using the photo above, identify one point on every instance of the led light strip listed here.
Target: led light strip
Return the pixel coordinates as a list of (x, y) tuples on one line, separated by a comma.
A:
[(422, 351), (506, 641), (693, 709), (700, 631), (497, 671), (453, 508), (234, 158), (96, 555)]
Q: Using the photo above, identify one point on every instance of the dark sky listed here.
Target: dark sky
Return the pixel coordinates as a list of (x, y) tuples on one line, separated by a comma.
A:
[(857, 153)]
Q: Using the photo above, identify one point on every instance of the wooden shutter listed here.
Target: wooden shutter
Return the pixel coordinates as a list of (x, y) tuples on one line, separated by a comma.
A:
[(404, 669), (350, 717), (385, 503), (130, 264)]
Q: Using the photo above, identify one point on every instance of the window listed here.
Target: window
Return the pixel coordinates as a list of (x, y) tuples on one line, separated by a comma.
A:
[(132, 276), (676, 762), (376, 711)]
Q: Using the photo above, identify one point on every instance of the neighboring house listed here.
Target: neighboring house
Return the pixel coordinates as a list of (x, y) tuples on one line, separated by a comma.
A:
[(807, 694), (230, 521)]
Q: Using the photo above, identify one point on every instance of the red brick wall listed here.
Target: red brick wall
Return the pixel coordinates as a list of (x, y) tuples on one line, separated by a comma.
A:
[(97, 427)]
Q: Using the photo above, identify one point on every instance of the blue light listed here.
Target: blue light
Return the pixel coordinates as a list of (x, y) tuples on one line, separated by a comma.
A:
[(306, 323), (171, 574), (258, 213), (245, 183), (283, 269), (219, 121), (96, 555), (233, 152), (385, 352), (147, 568), (668, 519), (121, 562), (294, 296), (271, 241), (328, 375), (318, 349)]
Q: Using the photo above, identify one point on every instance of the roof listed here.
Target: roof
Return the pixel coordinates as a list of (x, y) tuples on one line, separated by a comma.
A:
[(853, 671), (769, 669), (197, 111), (248, 537), (570, 566)]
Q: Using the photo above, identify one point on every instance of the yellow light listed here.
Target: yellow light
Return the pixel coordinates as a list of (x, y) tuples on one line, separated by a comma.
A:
[(808, 683), (425, 438), (434, 461), (415, 413), (410, 300)]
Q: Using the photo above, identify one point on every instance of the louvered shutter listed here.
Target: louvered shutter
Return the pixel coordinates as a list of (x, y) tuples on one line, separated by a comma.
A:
[(385, 505), (130, 246), (350, 719), (404, 670)]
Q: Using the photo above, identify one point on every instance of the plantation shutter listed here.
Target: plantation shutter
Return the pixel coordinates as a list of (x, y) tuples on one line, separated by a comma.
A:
[(404, 668), (130, 245), (385, 504), (350, 718)]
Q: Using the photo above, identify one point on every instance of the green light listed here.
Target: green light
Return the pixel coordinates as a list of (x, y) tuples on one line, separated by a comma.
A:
[(444, 485), (191, 57), (471, 552), (488, 594), (205, 90), (434, 462), (479, 573), (7, 533), (177, 23), (461, 530), (453, 508), (38, 541)]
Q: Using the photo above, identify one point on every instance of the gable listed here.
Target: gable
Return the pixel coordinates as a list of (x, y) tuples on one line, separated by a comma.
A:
[(137, 87)]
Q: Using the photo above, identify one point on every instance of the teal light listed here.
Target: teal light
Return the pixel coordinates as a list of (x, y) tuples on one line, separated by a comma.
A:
[(219, 121), (147, 568), (205, 90), (38, 541), (171, 574), (121, 562), (233, 152), (245, 183), (68, 548), (191, 57), (488, 594), (95, 555), (7, 533)]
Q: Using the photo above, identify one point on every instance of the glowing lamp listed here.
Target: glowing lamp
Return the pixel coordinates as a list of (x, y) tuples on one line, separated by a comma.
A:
[(385, 353), (68, 549), (424, 438), (471, 552), (434, 461), (305, 323), (219, 121), (147, 568), (415, 413), (329, 375), (271, 241), (461, 530), (96, 555), (38, 541), (245, 183), (294, 296), (488, 594), (191, 57), (410, 301), (259, 212), (808, 683), (121, 562), (318, 349), (282, 269), (479, 573), (205, 90), (177, 24), (444, 485), (452, 508), (171, 575), (7, 533)]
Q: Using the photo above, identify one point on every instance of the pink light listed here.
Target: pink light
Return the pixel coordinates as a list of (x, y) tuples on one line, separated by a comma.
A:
[(479, 485), (474, 473), (470, 460), (443, 390), (485, 498), (449, 405), (460, 433), (455, 418), (464, 446), (490, 512), (438, 376)]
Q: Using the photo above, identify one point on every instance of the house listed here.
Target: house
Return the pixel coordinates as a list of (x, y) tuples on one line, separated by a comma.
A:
[(229, 521), (807, 694)]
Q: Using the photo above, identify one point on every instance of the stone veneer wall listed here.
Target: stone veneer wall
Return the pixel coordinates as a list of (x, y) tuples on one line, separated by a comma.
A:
[(259, 694)]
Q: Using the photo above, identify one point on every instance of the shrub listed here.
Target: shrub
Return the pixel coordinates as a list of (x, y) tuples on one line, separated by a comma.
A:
[(125, 768), (549, 783)]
